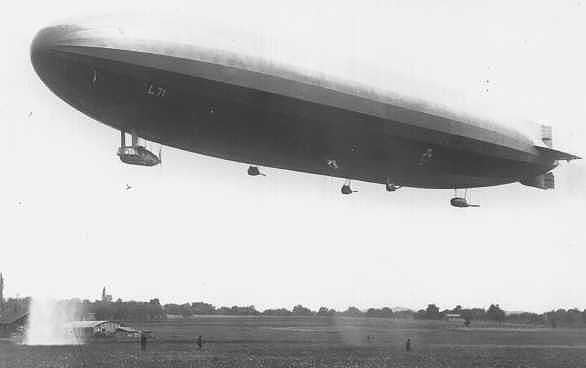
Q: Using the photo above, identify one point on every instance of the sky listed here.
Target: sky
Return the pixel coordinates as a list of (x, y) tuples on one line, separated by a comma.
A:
[(200, 229)]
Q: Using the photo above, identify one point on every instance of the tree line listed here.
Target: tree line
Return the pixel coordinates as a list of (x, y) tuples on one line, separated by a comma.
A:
[(154, 311), (119, 310), (432, 312)]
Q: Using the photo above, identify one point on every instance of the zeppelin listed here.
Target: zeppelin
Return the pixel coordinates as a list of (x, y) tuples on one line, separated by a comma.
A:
[(245, 108)]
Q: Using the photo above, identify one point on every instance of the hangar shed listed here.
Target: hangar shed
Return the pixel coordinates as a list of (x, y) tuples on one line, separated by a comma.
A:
[(85, 329)]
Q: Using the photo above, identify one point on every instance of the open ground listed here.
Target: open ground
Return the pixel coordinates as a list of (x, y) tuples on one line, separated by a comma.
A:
[(317, 342)]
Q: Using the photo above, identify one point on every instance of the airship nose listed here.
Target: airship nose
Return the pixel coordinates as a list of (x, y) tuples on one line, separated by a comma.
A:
[(61, 72), (43, 45), (45, 39)]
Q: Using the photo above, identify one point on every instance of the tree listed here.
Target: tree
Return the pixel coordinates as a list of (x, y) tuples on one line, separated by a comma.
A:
[(244, 311), (495, 313), (185, 310), (473, 313), (172, 308), (573, 317), (385, 312), (405, 314), (432, 312), (300, 310), (352, 312), (325, 311), (277, 312), (223, 311), (202, 308)]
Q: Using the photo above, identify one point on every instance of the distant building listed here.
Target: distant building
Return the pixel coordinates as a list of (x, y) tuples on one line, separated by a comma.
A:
[(85, 330), (125, 333), (454, 317), (88, 329), (106, 298)]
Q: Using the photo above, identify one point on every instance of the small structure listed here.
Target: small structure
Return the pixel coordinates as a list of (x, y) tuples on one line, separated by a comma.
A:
[(10, 324), (454, 317), (125, 331), (174, 316), (89, 329)]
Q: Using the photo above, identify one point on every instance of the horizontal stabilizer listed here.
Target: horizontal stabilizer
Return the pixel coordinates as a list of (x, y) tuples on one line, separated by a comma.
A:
[(544, 181), (555, 155)]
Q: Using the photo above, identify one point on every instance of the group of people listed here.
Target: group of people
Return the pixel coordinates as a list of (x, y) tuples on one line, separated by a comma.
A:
[(199, 342)]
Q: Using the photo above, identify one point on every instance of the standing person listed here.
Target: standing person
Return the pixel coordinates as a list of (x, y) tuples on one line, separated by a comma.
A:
[(199, 342), (408, 345), (467, 322), (143, 341)]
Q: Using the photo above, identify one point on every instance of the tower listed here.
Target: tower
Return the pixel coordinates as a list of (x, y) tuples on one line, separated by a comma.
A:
[(1, 292), (106, 298)]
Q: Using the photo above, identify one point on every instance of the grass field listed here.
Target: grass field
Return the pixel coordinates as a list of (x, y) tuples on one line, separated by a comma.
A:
[(317, 342)]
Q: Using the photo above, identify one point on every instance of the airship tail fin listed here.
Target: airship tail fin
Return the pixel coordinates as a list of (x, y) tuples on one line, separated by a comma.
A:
[(555, 155)]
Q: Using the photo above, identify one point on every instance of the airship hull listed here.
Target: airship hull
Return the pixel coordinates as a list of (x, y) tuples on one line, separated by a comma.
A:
[(223, 105)]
